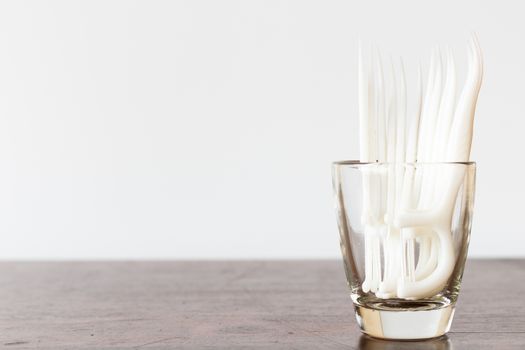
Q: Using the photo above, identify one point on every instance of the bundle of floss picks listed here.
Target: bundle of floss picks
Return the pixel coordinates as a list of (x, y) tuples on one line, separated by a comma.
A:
[(403, 206)]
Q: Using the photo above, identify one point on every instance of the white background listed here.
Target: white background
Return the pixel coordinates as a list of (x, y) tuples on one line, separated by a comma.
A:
[(206, 129)]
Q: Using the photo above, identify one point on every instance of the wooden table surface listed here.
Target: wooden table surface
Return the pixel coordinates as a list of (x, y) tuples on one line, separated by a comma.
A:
[(231, 305)]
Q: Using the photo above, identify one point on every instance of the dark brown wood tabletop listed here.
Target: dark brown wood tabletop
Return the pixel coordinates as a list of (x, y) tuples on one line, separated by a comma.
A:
[(231, 305)]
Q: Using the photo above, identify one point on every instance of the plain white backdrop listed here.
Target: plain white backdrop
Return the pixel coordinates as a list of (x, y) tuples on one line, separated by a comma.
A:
[(206, 129)]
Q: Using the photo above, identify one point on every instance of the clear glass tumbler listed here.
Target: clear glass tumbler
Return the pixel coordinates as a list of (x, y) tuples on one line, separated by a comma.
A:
[(405, 230)]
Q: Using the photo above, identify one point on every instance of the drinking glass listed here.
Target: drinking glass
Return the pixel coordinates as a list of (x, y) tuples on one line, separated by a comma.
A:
[(405, 230)]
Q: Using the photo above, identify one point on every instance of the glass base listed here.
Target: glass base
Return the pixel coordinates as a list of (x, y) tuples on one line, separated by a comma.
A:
[(418, 322)]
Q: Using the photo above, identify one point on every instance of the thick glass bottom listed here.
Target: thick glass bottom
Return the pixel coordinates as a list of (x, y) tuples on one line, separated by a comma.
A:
[(407, 320)]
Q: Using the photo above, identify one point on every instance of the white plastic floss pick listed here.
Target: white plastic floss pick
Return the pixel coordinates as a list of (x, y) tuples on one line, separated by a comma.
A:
[(408, 205)]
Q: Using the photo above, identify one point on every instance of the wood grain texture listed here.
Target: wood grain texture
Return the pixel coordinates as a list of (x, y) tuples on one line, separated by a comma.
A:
[(231, 305)]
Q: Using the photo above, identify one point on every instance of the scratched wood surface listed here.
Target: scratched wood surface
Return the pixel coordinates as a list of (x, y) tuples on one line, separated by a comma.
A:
[(231, 305)]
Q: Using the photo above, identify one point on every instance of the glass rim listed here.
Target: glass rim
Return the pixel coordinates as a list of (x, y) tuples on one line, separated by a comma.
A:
[(359, 163)]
